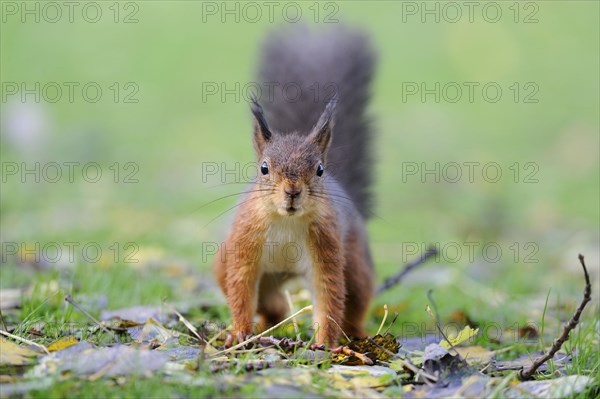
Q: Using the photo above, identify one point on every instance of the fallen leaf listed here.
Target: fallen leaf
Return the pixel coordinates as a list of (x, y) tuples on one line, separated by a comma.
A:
[(526, 360), (562, 387), (357, 378), (121, 325), (470, 386), (49, 364), (434, 352), (182, 353), (363, 376), (464, 335), (19, 389), (152, 332), (113, 361), (437, 359), (476, 354), (12, 354), (62, 344), (73, 350)]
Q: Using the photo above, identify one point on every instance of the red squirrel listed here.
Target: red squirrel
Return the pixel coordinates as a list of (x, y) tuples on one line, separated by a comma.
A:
[(312, 189)]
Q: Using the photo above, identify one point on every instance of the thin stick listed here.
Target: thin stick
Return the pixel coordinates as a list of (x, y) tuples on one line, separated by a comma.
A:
[(92, 318), (25, 341), (436, 319), (288, 297), (189, 325), (286, 343), (526, 374), (392, 281), (391, 323), (336, 323), (385, 315), (346, 350), (305, 309), (217, 335), (3, 323), (253, 350)]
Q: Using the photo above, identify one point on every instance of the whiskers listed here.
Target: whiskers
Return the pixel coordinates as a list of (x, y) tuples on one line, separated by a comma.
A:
[(323, 196), (337, 196), (229, 196), (237, 205), (255, 187)]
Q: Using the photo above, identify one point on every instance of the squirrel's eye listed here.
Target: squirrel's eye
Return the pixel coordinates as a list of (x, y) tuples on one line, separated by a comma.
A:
[(264, 168), (320, 170)]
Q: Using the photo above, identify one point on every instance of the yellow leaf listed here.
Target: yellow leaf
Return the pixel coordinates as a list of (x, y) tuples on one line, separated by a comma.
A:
[(62, 343), (15, 355), (466, 334), (359, 377)]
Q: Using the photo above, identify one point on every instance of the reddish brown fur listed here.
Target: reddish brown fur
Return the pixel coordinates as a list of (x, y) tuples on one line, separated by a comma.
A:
[(340, 268), (342, 278)]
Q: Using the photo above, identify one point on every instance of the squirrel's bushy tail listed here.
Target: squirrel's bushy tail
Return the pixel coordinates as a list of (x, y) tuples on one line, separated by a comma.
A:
[(299, 71)]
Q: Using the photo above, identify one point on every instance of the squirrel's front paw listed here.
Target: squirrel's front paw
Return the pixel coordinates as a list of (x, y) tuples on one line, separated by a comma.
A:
[(234, 339)]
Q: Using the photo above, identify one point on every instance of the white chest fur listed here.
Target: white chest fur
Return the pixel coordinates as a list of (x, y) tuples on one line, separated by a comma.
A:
[(286, 247)]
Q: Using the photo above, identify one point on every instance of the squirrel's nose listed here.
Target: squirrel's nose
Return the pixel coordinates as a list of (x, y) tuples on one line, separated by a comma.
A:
[(292, 192)]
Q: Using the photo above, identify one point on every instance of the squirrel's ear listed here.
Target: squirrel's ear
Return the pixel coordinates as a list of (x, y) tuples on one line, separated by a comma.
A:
[(262, 134), (321, 134)]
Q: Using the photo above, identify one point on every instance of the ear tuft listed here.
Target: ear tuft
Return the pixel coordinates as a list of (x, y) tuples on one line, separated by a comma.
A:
[(262, 133), (321, 133)]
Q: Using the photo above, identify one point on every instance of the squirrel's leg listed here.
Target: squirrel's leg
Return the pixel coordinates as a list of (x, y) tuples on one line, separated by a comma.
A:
[(220, 270), (241, 289), (328, 283), (359, 284), (272, 306)]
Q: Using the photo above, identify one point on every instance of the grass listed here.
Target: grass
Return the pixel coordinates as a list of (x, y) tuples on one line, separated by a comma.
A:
[(133, 387), (172, 131)]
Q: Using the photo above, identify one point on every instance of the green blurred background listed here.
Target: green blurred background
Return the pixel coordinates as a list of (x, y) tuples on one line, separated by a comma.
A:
[(550, 47)]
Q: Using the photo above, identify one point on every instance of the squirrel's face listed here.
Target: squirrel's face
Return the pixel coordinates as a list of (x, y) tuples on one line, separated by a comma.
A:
[(292, 166), (292, 170)]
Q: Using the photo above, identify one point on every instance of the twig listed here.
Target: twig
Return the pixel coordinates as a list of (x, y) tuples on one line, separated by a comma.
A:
[(392, 281), (252, 350), (391, 323), (249, 365), (305, 309), (25, 341), (436, 319), (286, 343), (526, 374), (3, 323), (346, 350), (385, 314), (92, 318), (218, 335), (189, 326), (336, 323), (288, 297)]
